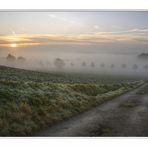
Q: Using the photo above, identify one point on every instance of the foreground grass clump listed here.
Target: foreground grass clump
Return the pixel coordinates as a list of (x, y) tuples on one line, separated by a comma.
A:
[(129, 104), (27, 105)]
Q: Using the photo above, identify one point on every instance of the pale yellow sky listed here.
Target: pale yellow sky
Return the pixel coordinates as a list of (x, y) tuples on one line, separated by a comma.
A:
[(90, 30)]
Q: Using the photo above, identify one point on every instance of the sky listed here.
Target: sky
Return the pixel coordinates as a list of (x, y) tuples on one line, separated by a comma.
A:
[(76, 32)]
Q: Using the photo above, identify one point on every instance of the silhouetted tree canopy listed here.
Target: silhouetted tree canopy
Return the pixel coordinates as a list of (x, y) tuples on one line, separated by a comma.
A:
[(143, 56), (123, 65), (59, 63), (83, 64), (135, 66), (112, 65), (11, 58), (92, 64), (21, 59)]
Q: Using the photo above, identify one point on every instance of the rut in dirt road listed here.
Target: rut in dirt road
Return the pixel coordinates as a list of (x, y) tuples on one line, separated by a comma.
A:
[(126, 115)]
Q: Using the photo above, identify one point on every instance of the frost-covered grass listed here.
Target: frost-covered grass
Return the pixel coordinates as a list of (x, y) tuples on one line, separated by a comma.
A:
[(129, 104), (31, 100)]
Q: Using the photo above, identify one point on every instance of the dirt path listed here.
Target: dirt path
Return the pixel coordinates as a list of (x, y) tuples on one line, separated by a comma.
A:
[(113, 118)]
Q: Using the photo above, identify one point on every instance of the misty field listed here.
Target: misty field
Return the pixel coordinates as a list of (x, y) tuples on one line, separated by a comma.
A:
[(30, 101)]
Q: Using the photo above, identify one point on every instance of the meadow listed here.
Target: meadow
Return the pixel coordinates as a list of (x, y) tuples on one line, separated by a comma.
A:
[(31, 100)]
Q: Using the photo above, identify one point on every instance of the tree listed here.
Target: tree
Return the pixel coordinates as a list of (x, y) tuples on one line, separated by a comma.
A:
[(10, 58), (59, 63), (92, 64), (83, 64), (21, 59), (102, 65), (123, 65), (135, 66), (112, 65), (72, 64)]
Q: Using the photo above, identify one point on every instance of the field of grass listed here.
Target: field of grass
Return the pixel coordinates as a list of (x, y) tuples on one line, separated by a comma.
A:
[(32, 100)]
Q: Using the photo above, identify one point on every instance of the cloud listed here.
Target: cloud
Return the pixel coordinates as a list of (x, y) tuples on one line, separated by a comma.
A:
[(52, 15), (64, 19), (133, 35), (139, 30), (96, 27), (116, 27)]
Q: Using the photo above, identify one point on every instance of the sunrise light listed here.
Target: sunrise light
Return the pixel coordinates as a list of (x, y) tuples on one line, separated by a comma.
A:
[(13, 45)]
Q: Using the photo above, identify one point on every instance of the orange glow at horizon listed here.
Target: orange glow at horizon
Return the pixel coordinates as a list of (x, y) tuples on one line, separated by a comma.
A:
[(13, 45), (21, 40)]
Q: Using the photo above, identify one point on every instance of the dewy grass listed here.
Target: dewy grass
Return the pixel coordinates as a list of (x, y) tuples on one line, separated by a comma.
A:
[(30, 103), (128, 104)]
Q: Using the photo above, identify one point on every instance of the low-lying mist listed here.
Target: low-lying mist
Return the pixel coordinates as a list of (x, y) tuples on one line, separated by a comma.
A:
[(112, 64), (109, 59)]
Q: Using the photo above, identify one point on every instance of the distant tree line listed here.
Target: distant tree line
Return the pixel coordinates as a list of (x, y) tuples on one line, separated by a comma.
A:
[(12, 58), (60, 63)]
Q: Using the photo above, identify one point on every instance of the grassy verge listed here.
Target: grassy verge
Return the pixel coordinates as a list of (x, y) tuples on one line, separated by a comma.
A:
[(27, 106)]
